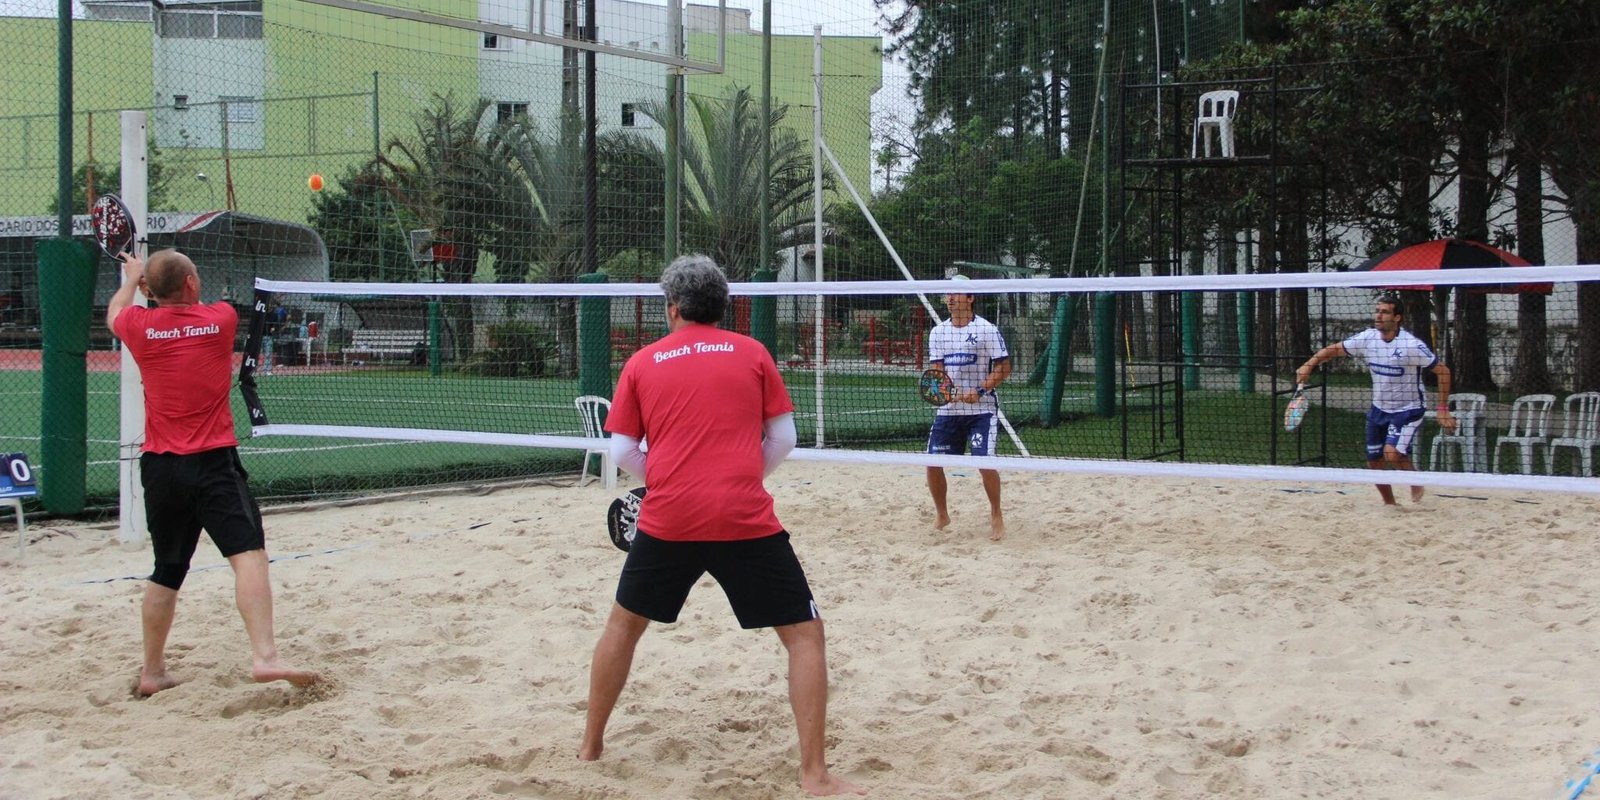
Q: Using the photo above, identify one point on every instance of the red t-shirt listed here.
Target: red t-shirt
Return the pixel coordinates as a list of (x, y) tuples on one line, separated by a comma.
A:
[(185, 355), (700, 396)]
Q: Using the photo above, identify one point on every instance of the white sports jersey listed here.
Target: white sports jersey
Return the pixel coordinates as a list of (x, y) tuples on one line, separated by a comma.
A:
[(968, 353), (1396, 367)]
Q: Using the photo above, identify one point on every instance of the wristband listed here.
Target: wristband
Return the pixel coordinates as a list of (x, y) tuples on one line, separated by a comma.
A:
[(1443, 407)]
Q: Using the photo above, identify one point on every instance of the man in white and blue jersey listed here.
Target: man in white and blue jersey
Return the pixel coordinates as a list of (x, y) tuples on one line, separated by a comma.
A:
[(1396, 360), (973, 354)]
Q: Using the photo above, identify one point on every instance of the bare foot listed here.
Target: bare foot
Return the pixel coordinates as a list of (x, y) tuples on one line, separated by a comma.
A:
[(941, 521), (150, 684), (276, 671), (1416, 494), (827, 784), (997, 528), (587, 752)]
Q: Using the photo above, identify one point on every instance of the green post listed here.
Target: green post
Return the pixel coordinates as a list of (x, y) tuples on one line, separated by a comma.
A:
[(764, 313), (433, 338), (1191, 339), (1058, 359), (1247, 335), (66, 295), (1105, 354), (594, 340)]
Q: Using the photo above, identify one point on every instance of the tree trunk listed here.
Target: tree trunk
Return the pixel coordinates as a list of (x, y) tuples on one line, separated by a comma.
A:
[(1530, 373), (1469, 364), (1227, 327), (1294, 321)]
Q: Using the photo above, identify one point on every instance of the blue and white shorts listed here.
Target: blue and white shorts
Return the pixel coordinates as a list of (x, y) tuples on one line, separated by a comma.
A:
[(953, 434), (1398, 428)]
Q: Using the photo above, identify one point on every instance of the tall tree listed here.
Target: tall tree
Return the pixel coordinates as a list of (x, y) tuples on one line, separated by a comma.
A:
[(722, 165)]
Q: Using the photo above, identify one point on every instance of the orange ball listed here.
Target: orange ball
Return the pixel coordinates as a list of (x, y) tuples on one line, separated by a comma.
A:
[(315, 182)]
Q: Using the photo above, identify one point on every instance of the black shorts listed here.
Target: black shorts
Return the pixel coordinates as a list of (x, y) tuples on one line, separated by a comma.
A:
[(761, 577), (183, 494)]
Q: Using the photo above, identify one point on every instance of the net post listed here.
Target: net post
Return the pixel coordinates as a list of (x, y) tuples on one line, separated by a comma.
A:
[(257, 333), (594, 354), (594, 340), (764, 313)]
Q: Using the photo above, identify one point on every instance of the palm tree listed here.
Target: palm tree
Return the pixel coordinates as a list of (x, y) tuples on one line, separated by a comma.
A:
[(722, 167), (446, 175)]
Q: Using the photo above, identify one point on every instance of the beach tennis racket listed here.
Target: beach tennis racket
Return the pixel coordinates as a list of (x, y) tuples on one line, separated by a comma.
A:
[(1297, 408), (622, 519), (113, 226), (936, 387)]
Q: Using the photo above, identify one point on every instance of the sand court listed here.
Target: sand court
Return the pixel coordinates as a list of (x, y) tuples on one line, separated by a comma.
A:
[(1129, 638)]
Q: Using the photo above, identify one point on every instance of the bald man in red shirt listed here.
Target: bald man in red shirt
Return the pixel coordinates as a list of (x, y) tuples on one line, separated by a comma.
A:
[(718, 420), (190, 467)]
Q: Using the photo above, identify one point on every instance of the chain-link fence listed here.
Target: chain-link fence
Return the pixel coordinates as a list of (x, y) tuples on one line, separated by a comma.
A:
[(997, 139)]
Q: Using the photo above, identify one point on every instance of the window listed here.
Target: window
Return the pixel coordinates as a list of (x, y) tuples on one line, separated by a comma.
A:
[(627, 115), (210, 21), (491, 42), (504, 112), (180, 102), (239, 26), (242, 110)]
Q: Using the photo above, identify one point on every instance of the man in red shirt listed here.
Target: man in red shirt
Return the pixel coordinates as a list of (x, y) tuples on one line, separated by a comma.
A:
[(718, 420), (190, 466)]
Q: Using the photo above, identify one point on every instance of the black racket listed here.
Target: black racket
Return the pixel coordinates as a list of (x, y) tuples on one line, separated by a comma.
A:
[(622, 520), (113, 226), (936, 387)]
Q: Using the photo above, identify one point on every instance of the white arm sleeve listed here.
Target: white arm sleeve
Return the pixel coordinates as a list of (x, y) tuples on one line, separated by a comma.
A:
[(625, 453), (780, 438)]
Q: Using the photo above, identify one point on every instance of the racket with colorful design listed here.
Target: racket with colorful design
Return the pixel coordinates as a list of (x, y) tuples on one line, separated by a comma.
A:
[(1297, 408), (113, 226), (936, 387), (622, 519)]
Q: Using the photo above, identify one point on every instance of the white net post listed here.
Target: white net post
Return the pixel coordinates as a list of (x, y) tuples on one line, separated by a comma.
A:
[(136, 194)]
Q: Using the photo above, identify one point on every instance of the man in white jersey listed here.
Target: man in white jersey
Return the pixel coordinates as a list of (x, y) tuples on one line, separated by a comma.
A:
[(973, 354), (1396, 360)]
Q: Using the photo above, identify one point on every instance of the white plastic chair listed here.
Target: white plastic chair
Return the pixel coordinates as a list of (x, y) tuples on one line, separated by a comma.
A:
[(1215, 114), (591, 408), (1580, 430), (1471, 446), (1529, 428)]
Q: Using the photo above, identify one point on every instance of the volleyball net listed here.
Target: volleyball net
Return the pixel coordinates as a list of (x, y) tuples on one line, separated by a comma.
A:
[(1173, 376)]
